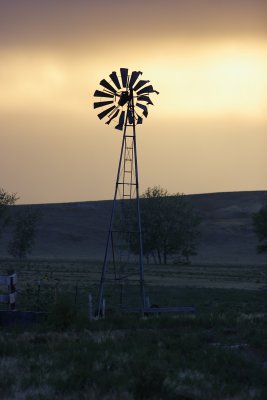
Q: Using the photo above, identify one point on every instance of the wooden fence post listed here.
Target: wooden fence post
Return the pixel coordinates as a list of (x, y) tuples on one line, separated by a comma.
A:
[(12, 292), (90, 306), (103, 308)]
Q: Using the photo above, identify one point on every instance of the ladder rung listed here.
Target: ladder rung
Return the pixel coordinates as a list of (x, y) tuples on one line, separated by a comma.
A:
[(125, 183)]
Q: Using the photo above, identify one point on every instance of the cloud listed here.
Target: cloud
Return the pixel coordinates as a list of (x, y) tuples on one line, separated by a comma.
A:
[(200, 80), (106, 25)]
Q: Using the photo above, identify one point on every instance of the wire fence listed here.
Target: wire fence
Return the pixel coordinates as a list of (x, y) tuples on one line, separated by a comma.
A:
[(42, 284)]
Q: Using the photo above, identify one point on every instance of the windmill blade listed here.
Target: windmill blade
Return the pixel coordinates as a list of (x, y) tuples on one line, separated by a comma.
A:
[(121, 121), (115, 79), (145, 98), (102, 103), (147, 89), (139, 120), (105, 112), (120, 89), (113, 116), (130, 117), (134, 77), (124, 76), (140, 84), (98, 93), (144, 108), (107, 85)]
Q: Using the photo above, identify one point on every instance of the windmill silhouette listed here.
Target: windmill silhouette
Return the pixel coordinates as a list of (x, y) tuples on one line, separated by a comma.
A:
[(123, 100)]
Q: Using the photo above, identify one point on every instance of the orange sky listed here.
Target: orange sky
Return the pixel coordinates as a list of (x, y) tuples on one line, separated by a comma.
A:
[(207, 131)]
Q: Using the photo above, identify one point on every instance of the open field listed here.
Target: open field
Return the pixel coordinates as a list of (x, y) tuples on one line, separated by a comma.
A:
[(218, 353), (43, 278)]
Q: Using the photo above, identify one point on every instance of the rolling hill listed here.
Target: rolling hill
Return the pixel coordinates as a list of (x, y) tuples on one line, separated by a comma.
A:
[(79, 230)]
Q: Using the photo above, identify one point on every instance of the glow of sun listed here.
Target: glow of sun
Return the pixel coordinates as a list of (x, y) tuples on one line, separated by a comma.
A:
[(199, 81)]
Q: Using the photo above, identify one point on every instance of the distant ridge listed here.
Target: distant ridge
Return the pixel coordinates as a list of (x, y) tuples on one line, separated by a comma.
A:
[(261, 194), (79, 229)]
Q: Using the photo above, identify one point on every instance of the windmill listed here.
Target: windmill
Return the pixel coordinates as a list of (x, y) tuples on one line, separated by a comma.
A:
[(123, 99)]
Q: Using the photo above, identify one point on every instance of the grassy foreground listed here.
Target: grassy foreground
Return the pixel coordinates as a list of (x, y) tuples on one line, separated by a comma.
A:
[(219, 353)]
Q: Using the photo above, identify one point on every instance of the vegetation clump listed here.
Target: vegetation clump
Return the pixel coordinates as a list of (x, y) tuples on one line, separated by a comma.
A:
[(24, 233), (158, 358), (6, 200), (24, 225), (169, 226), (260, 227)]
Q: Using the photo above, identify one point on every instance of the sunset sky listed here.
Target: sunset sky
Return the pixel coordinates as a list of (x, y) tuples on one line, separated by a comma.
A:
[(207, 131)]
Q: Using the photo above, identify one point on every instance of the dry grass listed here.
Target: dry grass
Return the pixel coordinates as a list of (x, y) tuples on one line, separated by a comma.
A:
[(87, 273), (219, 353)]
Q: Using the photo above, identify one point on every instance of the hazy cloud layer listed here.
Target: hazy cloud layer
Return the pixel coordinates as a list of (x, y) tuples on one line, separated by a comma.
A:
[(107, 24), (207, 131)]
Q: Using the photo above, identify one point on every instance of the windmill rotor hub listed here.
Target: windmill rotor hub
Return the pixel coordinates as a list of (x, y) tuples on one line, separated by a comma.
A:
[(125, 97)]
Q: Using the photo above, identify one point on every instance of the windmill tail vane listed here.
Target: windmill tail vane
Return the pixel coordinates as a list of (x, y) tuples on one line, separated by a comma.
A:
[(123, 102)]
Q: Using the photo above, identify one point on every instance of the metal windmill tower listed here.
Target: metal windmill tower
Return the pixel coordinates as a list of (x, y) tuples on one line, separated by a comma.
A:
[(125, 98)]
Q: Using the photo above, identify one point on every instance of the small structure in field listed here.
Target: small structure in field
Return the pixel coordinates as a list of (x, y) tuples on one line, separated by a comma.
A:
[(9, 298)]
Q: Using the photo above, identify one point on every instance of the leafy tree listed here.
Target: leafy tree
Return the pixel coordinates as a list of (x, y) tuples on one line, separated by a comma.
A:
[(24, 234), (6, 200), (169, 225), (260, 227)]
